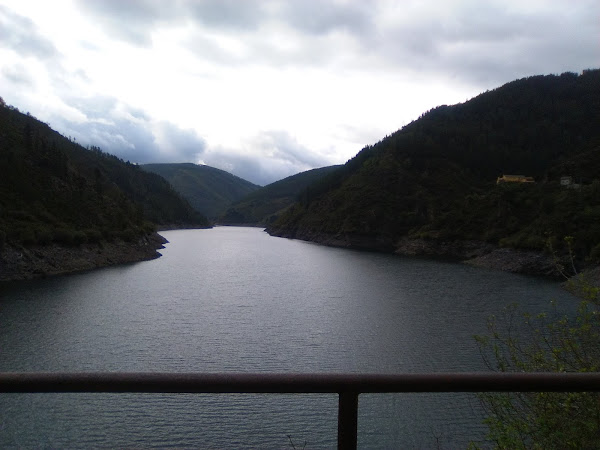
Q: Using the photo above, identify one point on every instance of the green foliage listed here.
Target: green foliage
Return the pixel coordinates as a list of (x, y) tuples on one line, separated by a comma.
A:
[(436, 177), (208, 190), (595, 254), (93, 236), (64, 236), (44, 236), (53, 190), (262, 206), (545, 343)]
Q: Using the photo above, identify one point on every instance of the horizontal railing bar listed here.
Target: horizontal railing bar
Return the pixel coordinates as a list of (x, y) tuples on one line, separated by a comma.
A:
[(296, 383)]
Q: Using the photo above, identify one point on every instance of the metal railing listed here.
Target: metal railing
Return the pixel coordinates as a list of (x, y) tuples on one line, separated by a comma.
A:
[(348, 386)]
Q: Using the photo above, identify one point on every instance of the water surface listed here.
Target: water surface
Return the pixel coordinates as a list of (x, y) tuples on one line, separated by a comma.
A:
[(237, 300)]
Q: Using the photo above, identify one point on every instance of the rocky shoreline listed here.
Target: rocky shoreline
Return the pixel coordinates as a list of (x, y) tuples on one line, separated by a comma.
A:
[(483, 254), (353, 241), (476, 253), (23, 263)]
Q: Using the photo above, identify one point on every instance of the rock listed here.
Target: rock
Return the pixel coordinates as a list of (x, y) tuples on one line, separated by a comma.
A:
[(447, 249), (476, 253), (344, 240), (517, 261), (21, 263)]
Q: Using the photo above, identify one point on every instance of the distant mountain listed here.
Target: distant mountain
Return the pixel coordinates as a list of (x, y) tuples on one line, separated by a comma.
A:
[(435, 179), (209, 190), (53, 190), (262, 206)]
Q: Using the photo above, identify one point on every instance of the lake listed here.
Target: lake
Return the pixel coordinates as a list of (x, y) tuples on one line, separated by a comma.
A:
[(233, 299)]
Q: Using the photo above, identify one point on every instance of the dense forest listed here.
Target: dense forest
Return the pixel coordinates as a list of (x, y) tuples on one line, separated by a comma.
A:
[(208, 190), (262, 206), (436, 178), (52, 190)]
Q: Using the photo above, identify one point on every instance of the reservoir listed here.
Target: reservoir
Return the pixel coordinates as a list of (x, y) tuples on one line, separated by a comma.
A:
[(233, 299)]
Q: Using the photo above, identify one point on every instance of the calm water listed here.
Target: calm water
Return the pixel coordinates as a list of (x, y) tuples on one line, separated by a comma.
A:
[(238, 300)]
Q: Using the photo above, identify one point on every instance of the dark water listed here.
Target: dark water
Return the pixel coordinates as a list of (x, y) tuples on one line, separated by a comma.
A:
[(235, 299)]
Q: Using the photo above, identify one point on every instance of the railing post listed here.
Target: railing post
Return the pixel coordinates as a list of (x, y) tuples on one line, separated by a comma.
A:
[(348, 421)]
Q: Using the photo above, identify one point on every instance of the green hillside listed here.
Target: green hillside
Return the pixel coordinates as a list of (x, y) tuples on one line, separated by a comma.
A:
[(209, 190), (54, 190), (262, 206), (436, 177)]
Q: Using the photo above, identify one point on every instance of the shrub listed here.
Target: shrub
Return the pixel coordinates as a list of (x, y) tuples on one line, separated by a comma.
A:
[(595, 254), (93, 236), (79, 237), (128, 235), (149, 227), (64, 236), (545, 343), (26, 236), (44, 236)]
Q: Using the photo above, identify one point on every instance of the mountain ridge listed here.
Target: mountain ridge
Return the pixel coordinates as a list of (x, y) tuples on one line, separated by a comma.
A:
[(436, 177), (209, 190), (66, 208), (262, 206)]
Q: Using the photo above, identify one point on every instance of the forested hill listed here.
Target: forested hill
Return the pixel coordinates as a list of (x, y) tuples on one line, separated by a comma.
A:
[(436, 177), (209, 190), (53, 190), (262, 207)]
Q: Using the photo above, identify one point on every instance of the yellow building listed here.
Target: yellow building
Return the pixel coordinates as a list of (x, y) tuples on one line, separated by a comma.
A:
[(514, 179)]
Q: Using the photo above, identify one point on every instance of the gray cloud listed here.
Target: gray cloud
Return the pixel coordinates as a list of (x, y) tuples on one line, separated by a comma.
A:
[(466, 43), (135, 20), (280, 145), (96, 107), (261, 171), (247, 167), (229, 14), (470, 41), (303, 20), (261, 50), (19, 75), (321, 17), (21, 35), (491, 43), (129, 133), (131, 20), (183, 145), (270, 156)]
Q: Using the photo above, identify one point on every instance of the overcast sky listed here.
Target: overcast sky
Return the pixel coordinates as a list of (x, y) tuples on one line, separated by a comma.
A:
[(269, 88)]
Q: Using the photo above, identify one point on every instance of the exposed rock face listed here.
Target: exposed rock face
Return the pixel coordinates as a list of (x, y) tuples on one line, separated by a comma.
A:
[(459, 250), (483, 254), (517, 261), (344, 240), (477, 253), (21, 263)]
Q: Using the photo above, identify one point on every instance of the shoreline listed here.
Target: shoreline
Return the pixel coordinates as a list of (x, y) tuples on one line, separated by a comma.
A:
[(475, 253), (483, 254), (26, 263)]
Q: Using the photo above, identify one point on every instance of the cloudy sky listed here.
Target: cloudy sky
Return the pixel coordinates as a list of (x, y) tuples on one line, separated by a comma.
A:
[(268, 88)]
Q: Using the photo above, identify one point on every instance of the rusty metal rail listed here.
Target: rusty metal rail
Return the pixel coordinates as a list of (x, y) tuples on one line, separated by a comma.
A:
[(348, 386)]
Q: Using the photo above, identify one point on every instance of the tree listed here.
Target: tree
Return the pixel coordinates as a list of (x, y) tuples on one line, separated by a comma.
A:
[(545, 343)]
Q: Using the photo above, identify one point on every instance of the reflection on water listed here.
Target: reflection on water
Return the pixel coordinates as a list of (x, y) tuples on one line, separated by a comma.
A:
[(236, 300)]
